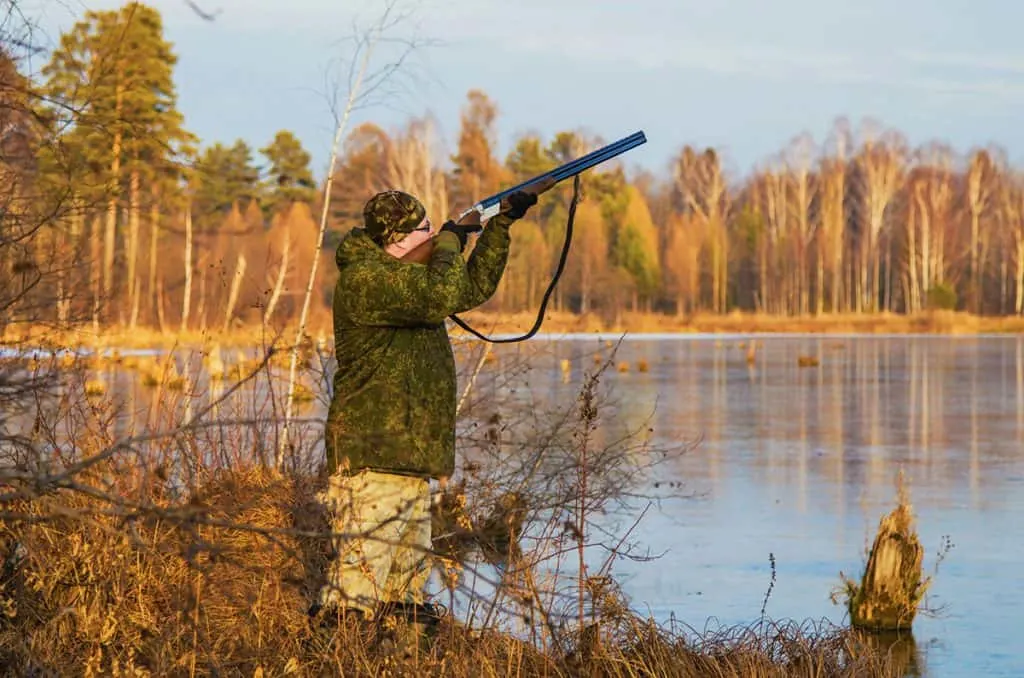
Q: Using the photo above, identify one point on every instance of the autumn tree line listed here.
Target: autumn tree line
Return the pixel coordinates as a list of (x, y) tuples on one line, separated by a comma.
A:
[(114, 213)]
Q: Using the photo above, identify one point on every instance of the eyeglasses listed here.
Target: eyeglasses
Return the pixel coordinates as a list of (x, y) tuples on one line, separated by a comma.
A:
[(424, 226)]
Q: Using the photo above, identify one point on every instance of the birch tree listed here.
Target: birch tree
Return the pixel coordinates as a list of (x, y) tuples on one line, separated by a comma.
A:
[(1012, 206), (832, 210), (365, 83), (882, 160), (701, 191), (981, 180), (412, 167), (799, 160)]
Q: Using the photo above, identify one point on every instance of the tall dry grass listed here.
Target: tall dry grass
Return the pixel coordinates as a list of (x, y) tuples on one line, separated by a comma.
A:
[(151, 554)]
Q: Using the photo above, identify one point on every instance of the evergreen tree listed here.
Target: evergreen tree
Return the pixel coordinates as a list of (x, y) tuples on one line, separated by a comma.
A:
[(528, 159), (110, 84), (223, 176), (289, 178)]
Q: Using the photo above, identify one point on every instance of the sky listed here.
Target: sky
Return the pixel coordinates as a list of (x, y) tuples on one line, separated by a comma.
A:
[(744, 76)]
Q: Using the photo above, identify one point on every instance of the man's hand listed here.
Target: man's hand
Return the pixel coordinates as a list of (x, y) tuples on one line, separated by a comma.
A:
[(519, 202), (462, 231)]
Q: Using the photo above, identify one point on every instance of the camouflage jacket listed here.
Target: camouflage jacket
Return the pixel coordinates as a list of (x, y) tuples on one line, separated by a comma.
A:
[(394, 389)]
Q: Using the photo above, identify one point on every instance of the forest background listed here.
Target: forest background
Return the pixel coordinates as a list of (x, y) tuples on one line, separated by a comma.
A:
[(138, 223)]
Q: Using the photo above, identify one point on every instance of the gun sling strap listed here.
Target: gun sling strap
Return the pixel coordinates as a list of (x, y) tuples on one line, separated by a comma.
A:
[(563, 257)]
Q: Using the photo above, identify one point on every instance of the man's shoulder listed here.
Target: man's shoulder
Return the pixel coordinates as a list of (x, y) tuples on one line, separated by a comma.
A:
[(356, 250)]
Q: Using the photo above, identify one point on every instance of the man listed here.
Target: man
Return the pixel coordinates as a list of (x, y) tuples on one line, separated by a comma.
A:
[(391, 424)]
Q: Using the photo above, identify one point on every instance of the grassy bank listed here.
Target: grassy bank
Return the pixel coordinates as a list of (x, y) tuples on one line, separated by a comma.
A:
[(216, 582), (937, 322)]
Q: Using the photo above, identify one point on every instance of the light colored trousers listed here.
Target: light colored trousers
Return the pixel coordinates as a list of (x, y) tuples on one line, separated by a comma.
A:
[(381, 523)]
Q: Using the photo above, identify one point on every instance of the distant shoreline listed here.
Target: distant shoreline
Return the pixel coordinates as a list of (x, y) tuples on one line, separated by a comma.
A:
[(934, 322), (555, 324)]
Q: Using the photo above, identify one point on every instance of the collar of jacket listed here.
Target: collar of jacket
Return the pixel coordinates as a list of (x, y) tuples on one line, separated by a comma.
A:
[(358, 247)]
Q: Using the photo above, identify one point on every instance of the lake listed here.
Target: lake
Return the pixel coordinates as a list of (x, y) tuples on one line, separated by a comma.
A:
[(800, 462), (793, 462)]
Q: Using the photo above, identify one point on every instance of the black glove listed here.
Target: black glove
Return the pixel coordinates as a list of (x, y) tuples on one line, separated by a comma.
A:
[(461, 231), (519, 202)]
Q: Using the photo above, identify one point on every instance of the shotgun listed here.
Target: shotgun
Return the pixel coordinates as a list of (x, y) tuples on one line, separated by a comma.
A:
[(498, 203)]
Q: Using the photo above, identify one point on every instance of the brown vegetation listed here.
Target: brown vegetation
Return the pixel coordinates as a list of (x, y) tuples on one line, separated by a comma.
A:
[(218, 582), (176, 552)]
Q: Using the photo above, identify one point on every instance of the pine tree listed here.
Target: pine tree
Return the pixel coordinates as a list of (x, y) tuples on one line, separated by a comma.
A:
[(111, 85), (289, 178), (528, 159), (223, 176)]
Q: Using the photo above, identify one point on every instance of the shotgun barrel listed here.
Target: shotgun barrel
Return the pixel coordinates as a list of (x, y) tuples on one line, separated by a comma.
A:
[(490, 206)]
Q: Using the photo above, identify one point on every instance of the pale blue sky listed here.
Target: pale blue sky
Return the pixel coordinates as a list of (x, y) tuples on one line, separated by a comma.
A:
[(743, 75)]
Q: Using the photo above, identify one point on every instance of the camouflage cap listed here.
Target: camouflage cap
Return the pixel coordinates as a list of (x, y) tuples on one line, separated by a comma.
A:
[(390, 215)]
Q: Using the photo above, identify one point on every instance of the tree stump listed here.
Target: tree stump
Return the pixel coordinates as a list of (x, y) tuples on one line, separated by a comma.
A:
[(892, 587)]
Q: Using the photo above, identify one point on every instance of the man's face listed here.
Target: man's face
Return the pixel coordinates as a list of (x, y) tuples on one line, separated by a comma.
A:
[(414, 239)]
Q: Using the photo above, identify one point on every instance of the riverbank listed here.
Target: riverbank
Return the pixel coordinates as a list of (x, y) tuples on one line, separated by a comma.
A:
[(936, 322), (219, 581)]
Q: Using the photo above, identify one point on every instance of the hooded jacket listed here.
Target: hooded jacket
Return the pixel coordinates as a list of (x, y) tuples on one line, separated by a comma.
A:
[(393, 407)]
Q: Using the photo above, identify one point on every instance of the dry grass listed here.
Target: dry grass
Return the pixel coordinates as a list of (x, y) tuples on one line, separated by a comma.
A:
[(143, 565), (217, 583), (146, 337)]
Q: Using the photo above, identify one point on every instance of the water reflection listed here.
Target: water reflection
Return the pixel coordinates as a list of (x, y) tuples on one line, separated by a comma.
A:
[(900, 648), (801, 462)]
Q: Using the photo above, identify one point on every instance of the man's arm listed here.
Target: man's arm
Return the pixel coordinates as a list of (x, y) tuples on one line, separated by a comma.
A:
[(414, 294), (486, 263)]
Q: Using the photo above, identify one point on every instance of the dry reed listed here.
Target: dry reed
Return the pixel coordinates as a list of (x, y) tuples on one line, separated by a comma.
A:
[(114, 566)]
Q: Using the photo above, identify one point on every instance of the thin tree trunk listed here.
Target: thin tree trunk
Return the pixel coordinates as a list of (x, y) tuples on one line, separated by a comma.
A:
[(723, 262), (96, 270), (282, 273), (154, 236), (1003, 292), (862, 275), (61, 258), (984, 245), (236, 285), (819, 284), (975, 301), (762, 273), (110, 238), (914, 288), (201, 307), (161, 317), (187, 300), (133, 248), (888, 275)]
